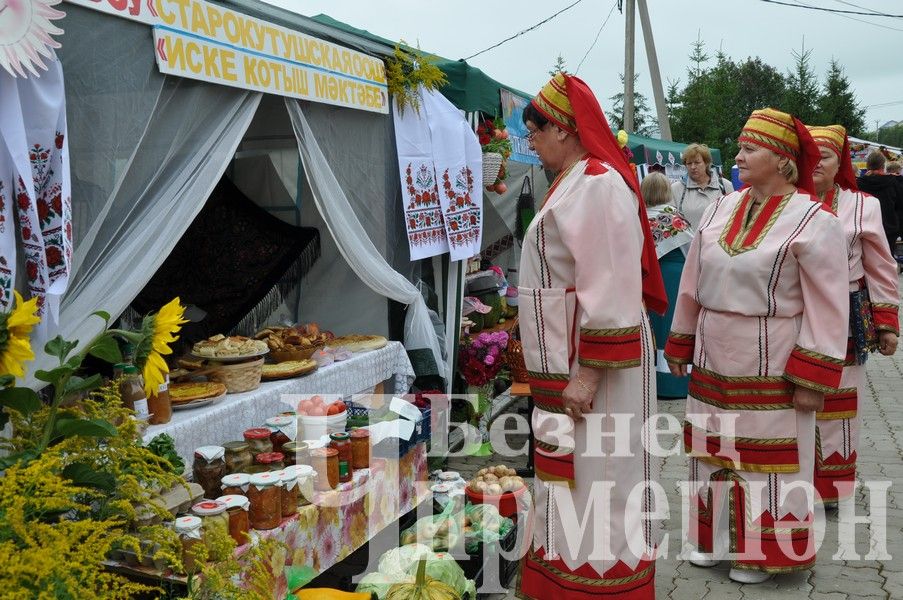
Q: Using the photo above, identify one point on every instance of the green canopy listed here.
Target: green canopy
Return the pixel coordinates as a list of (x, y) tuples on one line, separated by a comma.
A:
[(468, 88), (654, 151)]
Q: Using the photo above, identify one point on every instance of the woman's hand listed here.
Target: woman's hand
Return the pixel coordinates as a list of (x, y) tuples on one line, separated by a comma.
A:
[(677, 369), (887, 342), (578, 395), (806, 400)]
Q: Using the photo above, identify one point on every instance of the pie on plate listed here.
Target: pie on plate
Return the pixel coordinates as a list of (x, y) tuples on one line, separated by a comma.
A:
[(181, 393), (359, 343), (288, 369), (234, 346)]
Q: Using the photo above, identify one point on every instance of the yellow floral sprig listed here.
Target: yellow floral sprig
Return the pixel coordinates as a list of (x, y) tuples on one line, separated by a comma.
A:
[(15, 329), (406, 71)]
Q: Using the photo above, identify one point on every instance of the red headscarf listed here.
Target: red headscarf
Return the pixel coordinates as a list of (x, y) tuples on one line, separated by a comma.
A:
[(834, 138), (785, 135), (586, 119)]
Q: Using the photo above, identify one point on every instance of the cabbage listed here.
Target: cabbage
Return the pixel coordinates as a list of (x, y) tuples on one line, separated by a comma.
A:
[(379, 583), (395, 563), (442, 567)]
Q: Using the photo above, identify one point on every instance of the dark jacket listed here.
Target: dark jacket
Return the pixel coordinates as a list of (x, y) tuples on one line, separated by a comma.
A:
[(889, 191)]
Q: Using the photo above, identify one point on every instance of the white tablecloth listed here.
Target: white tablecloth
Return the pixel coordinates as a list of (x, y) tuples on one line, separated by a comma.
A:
[(227, 419)]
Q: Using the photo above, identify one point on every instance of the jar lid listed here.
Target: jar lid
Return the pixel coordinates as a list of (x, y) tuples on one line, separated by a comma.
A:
[(280, 421), (314, 444), (301, 472), (237, 446), (339, 436), (449, 475), (287, 475), (235, 500), (236, 479), (266, 458), (208, 508), (360, 432), (187, 524), (257, 433), (264, 479), (440, 488), (295, 446), (210, 453), (323, 452)]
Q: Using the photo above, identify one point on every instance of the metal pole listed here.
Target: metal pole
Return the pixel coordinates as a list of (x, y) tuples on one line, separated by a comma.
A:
[(657, 91), (628, 65)]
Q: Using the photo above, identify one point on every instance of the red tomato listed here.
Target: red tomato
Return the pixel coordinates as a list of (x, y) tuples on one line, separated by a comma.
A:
[(501, 188), (318, 411), (336, 408), (316, 400)]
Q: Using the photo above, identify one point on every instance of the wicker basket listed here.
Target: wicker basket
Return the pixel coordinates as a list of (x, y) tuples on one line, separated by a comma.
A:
[(296, 353), (240, 377), (515, 358), (492, 163)]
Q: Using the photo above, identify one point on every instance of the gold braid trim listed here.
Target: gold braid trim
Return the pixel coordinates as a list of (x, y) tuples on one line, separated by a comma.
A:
[(818, 356), (590, 581), (609, 364), (548, 376), (810, 384), (737, 247), (740, 378), (610, 332)]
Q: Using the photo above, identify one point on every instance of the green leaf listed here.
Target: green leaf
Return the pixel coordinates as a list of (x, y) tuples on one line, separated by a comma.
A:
[(56, 374), (25, 456), (60, 347), (84, 475), (24, 400), (77, 384), (102, 314), (4, 418), (6, 380), (85, 428), (106, 348)]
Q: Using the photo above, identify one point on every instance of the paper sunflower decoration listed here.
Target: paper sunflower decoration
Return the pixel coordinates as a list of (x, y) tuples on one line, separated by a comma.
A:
[(25, 31)]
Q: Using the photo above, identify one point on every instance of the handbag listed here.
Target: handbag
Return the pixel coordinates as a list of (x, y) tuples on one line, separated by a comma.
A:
[(526, 209), (862, 324)]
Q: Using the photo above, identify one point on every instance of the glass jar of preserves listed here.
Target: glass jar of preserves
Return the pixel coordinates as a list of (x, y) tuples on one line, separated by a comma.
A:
[(283, 429), (159, 404), (296, 453), (289, 491), (189, 531), (304, 474), (266, 501), (341, 441), (209, 468), (215, 521), (325, 462), (258, 439), (235, 484), (271, 461), (238, 457), (237, 507), (131, 390), (360, 448)]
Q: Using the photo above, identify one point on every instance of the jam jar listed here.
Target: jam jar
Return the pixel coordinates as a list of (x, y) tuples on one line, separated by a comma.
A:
[(266, 501), (304, 474), (296, 453), (271, 461), (209, 468), (235, 484), (342, 442), (237, 508), (283, 429), (360, 448), (238, 457), (189, 531), (325, 462), (214, 518), (258, 439), (289, 491)]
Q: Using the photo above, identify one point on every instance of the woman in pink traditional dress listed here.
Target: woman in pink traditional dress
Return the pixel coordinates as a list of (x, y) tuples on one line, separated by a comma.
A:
[(587, 266), (762, 315), (872, 270)]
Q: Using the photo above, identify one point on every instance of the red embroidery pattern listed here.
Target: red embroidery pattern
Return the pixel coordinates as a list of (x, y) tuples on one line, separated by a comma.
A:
[(424, 214), (462, 216)]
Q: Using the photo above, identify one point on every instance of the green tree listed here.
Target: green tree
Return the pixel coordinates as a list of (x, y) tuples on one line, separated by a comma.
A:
[(643, 121), (837, 103), (672, 97), (560, 66), (802, 92)]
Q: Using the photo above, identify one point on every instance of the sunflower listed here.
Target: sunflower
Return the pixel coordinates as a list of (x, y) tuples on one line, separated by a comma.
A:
[(15, 327), (159, 332)]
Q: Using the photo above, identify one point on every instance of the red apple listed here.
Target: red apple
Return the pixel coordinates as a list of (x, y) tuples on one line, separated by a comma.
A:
[(501, 188)]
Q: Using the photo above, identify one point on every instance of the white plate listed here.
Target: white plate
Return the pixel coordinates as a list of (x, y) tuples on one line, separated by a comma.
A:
[(231, 359), (198, 403)]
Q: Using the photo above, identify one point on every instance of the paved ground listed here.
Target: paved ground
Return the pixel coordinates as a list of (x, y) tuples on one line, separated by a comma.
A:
[(880, 454)]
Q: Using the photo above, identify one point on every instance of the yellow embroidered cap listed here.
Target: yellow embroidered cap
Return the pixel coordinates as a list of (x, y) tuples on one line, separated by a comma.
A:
[(774, 130), (829, 136), (552, 102)]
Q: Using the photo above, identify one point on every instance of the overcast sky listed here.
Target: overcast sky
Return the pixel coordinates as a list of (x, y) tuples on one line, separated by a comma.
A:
[(871, 53)]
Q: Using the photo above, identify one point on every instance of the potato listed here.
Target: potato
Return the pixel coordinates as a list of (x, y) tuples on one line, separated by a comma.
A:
[(490, 478), (482, 471), (494, 489), (480, 487), (512, 472)]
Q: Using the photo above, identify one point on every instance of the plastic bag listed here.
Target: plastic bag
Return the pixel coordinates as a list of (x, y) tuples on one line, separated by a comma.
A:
[(439, 532), (379, 583), (483, 525)]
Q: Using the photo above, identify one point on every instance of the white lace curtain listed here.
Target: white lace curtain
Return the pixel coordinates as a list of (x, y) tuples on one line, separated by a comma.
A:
[(355, 245)]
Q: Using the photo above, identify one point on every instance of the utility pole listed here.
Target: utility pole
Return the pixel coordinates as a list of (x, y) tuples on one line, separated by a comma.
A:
[(657, 91), (628, 65)]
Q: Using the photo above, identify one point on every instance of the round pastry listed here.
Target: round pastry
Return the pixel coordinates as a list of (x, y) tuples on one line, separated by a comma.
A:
[(289, 368), (180, 393)]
